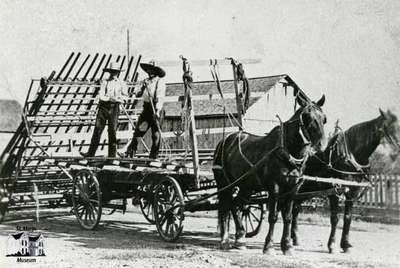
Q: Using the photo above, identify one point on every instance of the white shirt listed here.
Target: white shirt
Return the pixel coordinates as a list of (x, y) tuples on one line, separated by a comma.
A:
[(155, 88), (113, 90)]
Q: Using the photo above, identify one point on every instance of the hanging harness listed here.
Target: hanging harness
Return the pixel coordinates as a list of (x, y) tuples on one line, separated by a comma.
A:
[(245, 94)]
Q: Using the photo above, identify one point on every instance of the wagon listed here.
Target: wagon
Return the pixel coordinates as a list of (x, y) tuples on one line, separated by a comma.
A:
[(42, 166)]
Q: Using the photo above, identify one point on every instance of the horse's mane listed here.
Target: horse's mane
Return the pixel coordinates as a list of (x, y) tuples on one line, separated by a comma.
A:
[(363, 133), (364, 130)]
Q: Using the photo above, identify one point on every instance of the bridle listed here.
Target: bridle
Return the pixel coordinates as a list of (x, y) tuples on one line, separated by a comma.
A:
[(390, 139), (304, 129)]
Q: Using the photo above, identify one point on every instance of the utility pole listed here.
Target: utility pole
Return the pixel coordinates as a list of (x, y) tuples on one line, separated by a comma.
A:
[(127, 47)]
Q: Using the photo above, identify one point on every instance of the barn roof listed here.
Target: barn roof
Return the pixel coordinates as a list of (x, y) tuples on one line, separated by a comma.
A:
[(208, 87), (208, 107)]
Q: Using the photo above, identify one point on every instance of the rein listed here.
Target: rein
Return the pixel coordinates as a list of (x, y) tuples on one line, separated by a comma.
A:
[(348, 158), (254, 166)]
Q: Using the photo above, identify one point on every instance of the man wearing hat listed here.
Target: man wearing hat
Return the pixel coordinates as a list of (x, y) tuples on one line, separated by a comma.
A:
[(152, 89), (112, 91)]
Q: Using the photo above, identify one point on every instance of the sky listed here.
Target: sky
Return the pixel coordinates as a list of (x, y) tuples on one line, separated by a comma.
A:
[(347, 50)]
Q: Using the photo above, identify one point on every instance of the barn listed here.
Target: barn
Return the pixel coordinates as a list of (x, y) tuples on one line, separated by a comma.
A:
[(270, 95)]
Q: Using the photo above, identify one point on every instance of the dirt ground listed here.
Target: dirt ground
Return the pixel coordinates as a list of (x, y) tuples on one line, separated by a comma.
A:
[(129, 241)]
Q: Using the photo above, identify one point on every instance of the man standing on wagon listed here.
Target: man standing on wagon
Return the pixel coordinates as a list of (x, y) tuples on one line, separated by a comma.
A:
[(111, 94), (153, 91)]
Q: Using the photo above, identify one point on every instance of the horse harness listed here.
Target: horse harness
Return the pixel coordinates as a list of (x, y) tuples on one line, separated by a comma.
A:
[(297, 164)]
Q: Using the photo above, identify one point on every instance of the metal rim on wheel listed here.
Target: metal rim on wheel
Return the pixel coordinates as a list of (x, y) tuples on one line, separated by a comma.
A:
[(252, 217), (86, 199), (168, 209), (146, 205)]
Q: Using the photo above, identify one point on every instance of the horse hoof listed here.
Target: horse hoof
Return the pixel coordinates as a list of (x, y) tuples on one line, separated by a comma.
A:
[(269, 251), (288, 252), (224, 246), (346, 250), (296, 243), (332, 250)]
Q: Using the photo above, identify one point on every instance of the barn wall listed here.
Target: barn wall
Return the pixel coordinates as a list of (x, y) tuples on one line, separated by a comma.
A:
[(205, 139), (261, 116), (205, 125)]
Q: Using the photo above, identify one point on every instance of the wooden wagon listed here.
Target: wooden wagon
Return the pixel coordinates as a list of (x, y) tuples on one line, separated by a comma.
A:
[(41, 163)]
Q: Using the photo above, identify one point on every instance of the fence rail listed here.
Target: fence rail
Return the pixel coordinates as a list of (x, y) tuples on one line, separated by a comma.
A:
[(383, 195)]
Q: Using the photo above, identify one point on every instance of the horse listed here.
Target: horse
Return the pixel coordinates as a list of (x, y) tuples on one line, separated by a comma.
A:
[(346, 157), (246, 163)]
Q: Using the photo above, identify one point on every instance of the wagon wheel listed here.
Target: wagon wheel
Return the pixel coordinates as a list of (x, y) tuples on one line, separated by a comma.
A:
[(168, 209), (252, 217), (86, 199), (146, 205)]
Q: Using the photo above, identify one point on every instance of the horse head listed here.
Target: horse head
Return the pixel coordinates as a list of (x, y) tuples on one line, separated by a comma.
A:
[(390, 131), (312, 120)]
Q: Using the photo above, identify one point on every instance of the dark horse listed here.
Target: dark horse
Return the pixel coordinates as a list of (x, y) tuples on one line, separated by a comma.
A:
[(245, 164), (346, 157)]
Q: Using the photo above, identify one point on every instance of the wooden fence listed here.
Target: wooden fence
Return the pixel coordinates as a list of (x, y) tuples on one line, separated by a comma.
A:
[(383, 194)]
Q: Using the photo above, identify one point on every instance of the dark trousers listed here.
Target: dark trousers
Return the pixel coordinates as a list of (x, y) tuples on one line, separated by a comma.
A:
[(147, 119), (107, 112)]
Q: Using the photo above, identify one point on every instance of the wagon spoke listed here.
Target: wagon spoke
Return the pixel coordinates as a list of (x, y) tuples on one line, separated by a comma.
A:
[(246, 224), (86, 214), (251, 224), (83, 211), (254, 215), (163, 220)]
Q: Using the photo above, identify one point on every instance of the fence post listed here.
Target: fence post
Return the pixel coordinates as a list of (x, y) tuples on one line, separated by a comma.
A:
[(381, 203), (378, 180), (396, 190), (371, 191), (389, 191)]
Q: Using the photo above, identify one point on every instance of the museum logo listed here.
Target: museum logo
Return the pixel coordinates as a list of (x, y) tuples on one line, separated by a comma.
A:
[(25, 244)]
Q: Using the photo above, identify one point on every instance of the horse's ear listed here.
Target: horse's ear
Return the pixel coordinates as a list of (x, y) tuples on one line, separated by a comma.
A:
[(321, 101), (301, 101), (382, 113)]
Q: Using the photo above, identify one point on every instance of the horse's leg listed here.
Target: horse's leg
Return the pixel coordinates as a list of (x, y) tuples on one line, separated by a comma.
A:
[(294, 230), (286, 244), (240, 234), (272, 218), (348, 209), (224, 204), (334, 206)]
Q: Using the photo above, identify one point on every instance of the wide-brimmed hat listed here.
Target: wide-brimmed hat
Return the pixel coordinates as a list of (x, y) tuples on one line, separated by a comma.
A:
[(112, 68), (151, 68)]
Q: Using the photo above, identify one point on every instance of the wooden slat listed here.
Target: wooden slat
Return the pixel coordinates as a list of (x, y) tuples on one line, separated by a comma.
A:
[(396, 187), (376, 191)]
